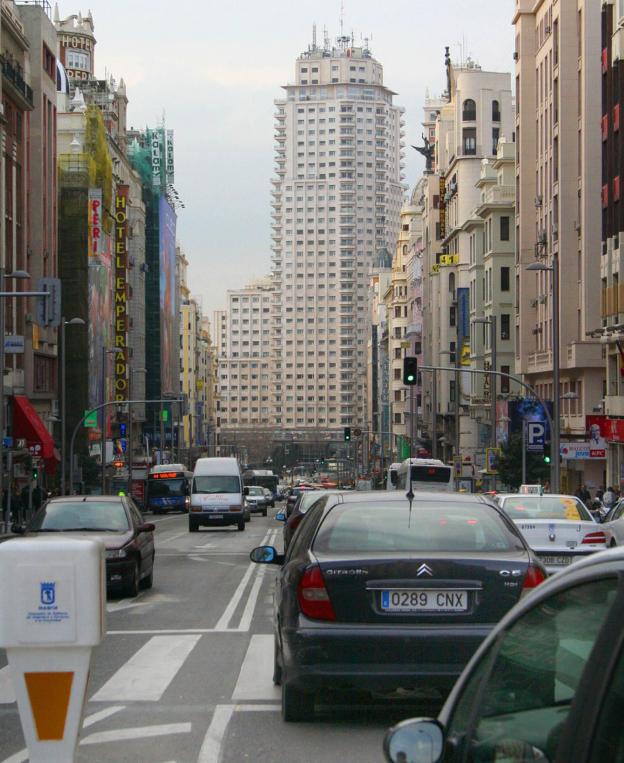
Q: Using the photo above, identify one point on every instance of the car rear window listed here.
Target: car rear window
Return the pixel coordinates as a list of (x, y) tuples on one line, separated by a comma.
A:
[(81, 515), (546, 507), (357, 527)]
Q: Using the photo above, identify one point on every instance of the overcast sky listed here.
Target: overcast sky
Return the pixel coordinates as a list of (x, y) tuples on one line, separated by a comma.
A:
[(214, 69)]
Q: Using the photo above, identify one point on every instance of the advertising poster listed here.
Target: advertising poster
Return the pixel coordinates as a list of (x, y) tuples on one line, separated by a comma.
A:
[(168, 303), (531, 410)]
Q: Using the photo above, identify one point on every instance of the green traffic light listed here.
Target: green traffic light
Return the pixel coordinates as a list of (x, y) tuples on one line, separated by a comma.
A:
[(546, 459)]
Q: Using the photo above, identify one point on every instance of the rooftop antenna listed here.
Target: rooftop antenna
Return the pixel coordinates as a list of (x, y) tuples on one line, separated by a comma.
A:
[(314, 36), (341, 18)]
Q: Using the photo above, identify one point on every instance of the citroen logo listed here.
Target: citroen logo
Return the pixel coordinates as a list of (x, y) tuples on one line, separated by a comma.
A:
[(424, 569)]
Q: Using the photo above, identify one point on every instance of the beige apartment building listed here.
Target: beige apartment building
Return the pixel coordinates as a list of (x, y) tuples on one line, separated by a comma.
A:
[(558, 186)]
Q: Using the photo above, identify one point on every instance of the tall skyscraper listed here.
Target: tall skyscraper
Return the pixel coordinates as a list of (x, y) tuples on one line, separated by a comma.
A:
[(336, 202)]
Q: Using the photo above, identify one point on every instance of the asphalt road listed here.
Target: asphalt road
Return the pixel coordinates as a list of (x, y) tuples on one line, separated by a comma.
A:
[(184, 673)]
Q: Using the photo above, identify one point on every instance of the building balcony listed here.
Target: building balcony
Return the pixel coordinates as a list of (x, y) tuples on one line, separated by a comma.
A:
[(614, 405), (17, 86), (585, 355), (538, 362)]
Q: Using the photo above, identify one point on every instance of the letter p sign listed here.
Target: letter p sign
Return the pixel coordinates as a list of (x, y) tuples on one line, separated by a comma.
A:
[(535, 432)]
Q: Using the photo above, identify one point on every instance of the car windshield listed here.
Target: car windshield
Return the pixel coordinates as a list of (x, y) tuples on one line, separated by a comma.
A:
[(216, 484), (166, 488), (546, 507), (257, 491), (59, 516), (390, 527)]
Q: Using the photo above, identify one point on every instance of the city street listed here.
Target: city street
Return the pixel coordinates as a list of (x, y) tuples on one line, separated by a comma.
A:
[(184, 673)]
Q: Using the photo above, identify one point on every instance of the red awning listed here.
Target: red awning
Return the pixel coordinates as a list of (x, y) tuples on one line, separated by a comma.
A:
[(28, 426)]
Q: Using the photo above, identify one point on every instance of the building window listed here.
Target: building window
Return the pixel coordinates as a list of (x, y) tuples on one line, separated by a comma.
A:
[(495, 137), (469, 110), (504, 380), (469, 141), (504, 326), (504, 229), (504, 279), (452, 316), (496, 111)]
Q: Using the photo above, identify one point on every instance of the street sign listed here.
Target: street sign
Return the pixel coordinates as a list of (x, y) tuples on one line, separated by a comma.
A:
[(357, 432), (91, 421), (14, 345), (535, 435), (48, 309)]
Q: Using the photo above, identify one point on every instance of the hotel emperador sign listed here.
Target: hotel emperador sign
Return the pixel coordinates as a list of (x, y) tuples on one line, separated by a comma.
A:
[(121, 293)]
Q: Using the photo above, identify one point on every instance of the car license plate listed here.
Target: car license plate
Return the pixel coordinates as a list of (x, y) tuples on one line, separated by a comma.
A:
[(430, 600), (557, 560), (216, 516)]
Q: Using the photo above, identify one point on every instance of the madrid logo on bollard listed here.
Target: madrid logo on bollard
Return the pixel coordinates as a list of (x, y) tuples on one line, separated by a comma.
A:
[(48, 593)]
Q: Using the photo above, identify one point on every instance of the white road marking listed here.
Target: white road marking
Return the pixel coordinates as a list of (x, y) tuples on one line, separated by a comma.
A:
[(169, 539), (148, 673), (170, 631), (255, 680), (224, 620), (256, 708), (211, 746), (7, 692), (119, 606), (102, 715), (22, 755), (138, 732), (245, 622), (210, 544)]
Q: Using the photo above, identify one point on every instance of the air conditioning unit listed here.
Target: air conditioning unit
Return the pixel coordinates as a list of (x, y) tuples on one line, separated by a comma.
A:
[(516, 55), (577, 226)]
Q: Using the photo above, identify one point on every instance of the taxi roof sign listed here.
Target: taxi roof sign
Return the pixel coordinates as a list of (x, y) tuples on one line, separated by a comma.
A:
[(531, 490)]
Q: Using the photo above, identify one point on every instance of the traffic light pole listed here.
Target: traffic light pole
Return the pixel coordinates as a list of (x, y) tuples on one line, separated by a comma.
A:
[(99, 408)]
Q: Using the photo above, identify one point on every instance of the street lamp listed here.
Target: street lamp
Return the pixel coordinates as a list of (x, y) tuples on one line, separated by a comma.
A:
[(555, 435), (70, 322), (16, 274), (491, 322)]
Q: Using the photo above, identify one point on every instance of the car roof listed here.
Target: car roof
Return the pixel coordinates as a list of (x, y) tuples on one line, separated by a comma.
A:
[(421, 495), (87, 499)]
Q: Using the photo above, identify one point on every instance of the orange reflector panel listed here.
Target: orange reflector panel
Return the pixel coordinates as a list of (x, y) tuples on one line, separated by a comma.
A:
[(49, 699)]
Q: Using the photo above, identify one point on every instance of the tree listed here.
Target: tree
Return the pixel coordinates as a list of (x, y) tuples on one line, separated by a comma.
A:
[(510, 464)]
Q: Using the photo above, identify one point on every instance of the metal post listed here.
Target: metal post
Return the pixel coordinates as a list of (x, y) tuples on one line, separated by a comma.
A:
[(63, 411), (102, 426), (493, 366), (412, 417), (457, 447), (434, 414), (162, 435), (554, 435), (524, 445), (2, 425)]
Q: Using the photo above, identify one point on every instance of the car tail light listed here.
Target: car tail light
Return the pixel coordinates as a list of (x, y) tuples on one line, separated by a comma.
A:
[(595, 537), (313, 597), (534, 576), (296, 521)]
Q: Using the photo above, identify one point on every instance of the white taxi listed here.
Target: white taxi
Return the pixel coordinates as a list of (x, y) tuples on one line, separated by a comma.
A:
[(559, 528)]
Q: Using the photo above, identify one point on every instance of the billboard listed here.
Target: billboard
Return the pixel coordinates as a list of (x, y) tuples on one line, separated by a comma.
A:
[(169, 341), (529, 409)]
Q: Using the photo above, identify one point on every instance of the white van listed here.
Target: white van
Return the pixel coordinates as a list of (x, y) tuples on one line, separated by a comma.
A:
[(217, 494)]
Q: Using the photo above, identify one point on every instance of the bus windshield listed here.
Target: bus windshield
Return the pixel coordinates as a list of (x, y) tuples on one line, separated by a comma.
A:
[(159, 488)]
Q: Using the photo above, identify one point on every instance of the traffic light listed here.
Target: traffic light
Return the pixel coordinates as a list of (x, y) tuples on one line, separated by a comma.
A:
[(347, 434), (35, 473), (410, 370), (546, 458)]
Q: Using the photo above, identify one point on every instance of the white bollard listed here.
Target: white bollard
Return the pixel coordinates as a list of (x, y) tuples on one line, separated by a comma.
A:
[(52, 614)]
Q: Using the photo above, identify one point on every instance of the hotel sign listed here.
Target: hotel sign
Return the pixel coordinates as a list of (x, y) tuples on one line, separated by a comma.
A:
[(121, 293), (95, 221), (442, 207), (170, 164)]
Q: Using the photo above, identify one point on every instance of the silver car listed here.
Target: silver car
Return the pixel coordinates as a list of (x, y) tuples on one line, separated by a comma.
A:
[(559, 528)]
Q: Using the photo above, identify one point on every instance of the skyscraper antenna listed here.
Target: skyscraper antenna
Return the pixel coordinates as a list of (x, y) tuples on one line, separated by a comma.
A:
[(314, 36), (341, 18)]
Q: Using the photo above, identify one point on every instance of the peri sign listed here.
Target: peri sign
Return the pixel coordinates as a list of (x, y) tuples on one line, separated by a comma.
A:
[(121, 293)]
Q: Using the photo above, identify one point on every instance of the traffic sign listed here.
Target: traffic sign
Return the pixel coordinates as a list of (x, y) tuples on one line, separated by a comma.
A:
[(535, 436), (48, 309), (357, 432), (91, 420)]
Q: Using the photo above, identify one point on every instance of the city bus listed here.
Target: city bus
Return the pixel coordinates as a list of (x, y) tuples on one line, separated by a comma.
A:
[(168, 488), (426, 474), (263, 478)]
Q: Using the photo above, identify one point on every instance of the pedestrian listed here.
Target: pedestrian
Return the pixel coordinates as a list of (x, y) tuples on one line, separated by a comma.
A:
[(609, 497), (585, 495), (600, 492)]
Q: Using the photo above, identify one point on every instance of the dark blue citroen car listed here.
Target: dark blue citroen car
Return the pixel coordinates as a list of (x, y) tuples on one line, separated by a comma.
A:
[(374, 594)]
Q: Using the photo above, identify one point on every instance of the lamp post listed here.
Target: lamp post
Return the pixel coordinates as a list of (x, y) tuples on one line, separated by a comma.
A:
[(491, 322), (70, 322), (555, 434), (130, 428), (21, 274)]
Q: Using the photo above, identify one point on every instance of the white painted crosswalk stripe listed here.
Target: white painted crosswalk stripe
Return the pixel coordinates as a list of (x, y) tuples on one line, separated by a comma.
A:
[(7, 693), (148, 673), (255, 680)]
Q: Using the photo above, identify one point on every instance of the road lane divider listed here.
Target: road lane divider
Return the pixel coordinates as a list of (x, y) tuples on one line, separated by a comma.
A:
[(210, 751), (224, 621), (148, 673)]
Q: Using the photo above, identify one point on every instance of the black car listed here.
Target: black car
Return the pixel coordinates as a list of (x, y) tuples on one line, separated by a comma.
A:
[(293, 495), (546, 686), (374, 594), (117, 522), (293, 519)]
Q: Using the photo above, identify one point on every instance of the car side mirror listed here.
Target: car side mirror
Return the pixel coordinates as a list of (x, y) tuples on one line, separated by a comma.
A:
[(245, 491), (266, 555), (280, 516), (146, 527), (418, 740)]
